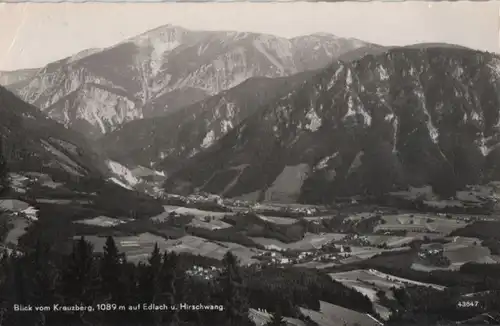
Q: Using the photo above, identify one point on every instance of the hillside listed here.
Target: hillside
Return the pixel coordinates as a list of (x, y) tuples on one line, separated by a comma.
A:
[(409, 116), (31, 142), (47, 161), (166, 142), (165, 69)]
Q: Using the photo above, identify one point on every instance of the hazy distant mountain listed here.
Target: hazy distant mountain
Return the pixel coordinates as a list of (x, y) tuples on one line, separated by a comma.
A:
[(17, 76), (409, 116), (166, 142), (165, 69)]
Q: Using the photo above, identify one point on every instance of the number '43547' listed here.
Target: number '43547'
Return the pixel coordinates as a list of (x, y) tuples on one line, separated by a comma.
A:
[(467, 304)]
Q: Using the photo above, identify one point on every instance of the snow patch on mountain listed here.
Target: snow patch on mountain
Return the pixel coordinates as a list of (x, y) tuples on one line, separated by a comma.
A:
[(163, 155), (366, 116), (395, 127), (123, 173), (485, 150), (314, 120), (335, 77), (225, 126), (383, 73), (121, 184), (324, 161), (193, 152), (356, 163), (208, 140), (433, 131)]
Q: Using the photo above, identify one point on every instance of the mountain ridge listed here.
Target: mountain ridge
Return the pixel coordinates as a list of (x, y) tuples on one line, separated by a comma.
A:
[(165, 142), (154, 68), (364, 106)]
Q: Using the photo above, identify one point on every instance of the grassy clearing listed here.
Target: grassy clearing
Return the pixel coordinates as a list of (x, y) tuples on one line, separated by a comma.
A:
[(102, 221), (420, 223), (137, 248), (330, 315)]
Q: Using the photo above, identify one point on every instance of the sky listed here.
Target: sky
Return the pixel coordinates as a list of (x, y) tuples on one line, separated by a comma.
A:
[(35, 34)]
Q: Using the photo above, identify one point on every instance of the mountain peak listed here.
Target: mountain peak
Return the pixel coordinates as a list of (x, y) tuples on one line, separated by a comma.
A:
[(165, 69)]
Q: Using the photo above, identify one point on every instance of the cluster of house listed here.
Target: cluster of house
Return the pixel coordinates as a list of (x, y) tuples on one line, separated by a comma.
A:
[(317, 255), (430, 250), (203, 272)]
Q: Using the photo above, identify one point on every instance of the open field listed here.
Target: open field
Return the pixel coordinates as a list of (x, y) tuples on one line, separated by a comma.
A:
[(18, 228), (333, 315), (390, 241), (420, 223), (368, 252), (202, 219), (63, 201), (18, 216), (137, 248), (423, 268), (210, 225), (370, 282), (459, 250), (317, 264), (278, 220), (193, 211), (317, 218), (102, 221), (463, 254), (13, 205)]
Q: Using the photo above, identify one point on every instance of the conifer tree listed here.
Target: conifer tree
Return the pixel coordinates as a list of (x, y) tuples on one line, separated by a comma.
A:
[(80, 277), (111, 278), (149, 286), (43, 277), (110, 271), (232, 289), (4, 176), (168, 280), (16, 291)]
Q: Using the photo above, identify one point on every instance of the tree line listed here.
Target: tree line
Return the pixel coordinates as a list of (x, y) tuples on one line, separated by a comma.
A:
[(107, 281)]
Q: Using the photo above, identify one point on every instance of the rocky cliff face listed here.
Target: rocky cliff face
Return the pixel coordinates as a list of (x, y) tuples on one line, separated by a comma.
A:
[(410, 116), (166, 142), (165, 69)]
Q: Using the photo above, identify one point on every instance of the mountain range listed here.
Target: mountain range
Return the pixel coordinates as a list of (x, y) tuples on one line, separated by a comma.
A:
[(16, 76), (256, 116), (165, 69), (166, 142), (409, 116)]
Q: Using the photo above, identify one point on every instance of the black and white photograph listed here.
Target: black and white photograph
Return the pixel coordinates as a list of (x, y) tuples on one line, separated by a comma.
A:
[(241, 164)]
